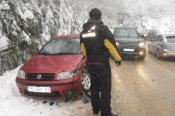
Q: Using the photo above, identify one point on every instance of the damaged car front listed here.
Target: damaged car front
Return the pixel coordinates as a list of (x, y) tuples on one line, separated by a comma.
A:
[(58, 70)]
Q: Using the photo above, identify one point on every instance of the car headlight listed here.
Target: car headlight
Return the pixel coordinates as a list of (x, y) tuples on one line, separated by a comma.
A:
[(141, 44), (117, 43), (165, 50), (21, 74), (65, 75)]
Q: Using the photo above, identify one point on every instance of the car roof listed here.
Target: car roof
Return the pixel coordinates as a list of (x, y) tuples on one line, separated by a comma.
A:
[(167, 34), (125, 28), (67, 36)]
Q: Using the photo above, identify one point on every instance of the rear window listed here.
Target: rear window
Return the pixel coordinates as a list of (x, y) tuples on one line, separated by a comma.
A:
[(125, 32), (170, 39)]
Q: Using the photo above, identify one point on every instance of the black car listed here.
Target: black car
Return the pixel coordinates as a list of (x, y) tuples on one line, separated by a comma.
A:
[(163, 46), (130, 43)]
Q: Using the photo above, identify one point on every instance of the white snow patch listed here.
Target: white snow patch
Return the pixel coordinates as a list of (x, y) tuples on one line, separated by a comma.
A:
[(13, 104), (26, 37), (14, 33), (49, 14), (45, 37), (21, 14), (28, 14), (4, 6), (3, 42)]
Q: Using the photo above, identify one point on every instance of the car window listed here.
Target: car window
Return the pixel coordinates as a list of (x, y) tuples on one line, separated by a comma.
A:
[(123, 32), (62, 46), (170, 39), (159, 38)]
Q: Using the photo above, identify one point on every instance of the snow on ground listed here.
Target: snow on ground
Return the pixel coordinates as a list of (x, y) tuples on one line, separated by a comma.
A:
[(13, 104)]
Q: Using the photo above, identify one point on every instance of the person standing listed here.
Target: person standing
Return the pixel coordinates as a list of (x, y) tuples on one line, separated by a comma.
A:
[(97, 44)]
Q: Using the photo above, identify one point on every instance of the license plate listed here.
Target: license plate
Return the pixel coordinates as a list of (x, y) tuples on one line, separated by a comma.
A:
[(128, 50), (39, 89)]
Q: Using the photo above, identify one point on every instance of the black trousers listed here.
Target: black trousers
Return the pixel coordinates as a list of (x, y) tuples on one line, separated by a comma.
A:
[(101, 87)]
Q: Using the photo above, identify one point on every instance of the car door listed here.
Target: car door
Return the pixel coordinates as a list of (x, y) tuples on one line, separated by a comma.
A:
[(152, 45), (159, 43)]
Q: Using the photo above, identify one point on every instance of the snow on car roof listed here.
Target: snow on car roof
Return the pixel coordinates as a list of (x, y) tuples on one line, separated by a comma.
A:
[(68, 36), (169, 34), (166, 34)]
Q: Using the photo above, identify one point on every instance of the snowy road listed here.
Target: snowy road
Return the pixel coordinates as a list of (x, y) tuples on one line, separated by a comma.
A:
[(139, 88), (144, 88)]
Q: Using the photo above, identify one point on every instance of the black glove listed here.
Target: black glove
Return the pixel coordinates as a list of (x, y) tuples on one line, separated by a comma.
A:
[(118, 63)]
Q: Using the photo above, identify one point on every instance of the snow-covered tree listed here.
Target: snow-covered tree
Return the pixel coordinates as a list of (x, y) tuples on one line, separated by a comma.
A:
[(28, 24)]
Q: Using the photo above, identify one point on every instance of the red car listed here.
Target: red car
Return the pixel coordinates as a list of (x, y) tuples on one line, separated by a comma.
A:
[(57, 70)]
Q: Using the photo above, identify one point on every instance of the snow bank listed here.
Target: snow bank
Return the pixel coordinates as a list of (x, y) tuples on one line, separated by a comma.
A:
[(13, 104)]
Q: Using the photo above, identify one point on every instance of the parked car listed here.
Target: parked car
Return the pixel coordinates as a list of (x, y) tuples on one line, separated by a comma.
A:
[(58, 70), (163, 46), (129, 42)]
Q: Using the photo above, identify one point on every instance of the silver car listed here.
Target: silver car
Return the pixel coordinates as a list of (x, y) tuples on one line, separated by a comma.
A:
[(163, 46)]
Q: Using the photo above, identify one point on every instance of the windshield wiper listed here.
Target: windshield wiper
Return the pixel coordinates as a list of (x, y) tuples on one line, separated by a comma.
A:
[(64, 53), (44, 53)]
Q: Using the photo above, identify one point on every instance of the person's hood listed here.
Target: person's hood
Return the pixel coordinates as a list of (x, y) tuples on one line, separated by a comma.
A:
[(52, 64), (91, 22)]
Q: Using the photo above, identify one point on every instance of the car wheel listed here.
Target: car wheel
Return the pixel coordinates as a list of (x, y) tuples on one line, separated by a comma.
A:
[(86, 83), (142, 58), (158, 54)]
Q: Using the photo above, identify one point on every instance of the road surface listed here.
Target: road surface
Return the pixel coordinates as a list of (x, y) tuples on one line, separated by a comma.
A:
[(144, 88)]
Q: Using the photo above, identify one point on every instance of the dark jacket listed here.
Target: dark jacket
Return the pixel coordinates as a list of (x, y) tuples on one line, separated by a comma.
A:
[(97, 42)]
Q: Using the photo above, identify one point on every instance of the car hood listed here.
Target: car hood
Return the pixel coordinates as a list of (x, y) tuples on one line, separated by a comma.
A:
[(128, 39), (52, 64)]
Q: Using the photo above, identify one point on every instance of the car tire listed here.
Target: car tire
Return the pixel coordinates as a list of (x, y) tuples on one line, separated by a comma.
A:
[(142, 58), (86, 83), (158, 54)]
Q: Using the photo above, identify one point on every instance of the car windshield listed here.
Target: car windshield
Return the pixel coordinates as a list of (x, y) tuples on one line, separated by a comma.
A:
[(125, 32), (61, 46), (170, 39)]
